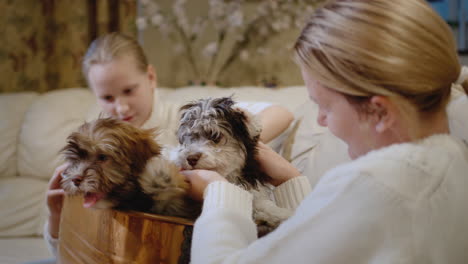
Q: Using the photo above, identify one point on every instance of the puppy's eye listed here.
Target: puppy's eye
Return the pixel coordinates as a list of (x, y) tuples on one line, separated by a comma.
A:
[(101, 157), (216, 139), (195, 136)]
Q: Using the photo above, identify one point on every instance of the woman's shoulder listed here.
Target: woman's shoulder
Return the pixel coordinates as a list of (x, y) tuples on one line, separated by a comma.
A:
[(421, 154), (404, 168)]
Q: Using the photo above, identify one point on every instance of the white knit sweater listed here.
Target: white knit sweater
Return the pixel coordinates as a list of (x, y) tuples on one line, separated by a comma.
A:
[(406, 203)]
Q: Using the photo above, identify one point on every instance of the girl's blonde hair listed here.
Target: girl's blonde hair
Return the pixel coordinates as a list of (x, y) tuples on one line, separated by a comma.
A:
[(111, 46), (395, 48)]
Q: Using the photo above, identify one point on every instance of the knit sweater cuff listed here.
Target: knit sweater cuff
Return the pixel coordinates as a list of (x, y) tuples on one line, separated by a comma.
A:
[(52, 243), (291, 193), (225, 195)]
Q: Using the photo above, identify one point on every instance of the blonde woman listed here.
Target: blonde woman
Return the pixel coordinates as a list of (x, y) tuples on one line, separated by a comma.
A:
[(381, 73)]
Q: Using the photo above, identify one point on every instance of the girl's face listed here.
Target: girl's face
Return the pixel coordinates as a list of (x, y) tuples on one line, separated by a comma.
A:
[(123, 91), (341, 118)]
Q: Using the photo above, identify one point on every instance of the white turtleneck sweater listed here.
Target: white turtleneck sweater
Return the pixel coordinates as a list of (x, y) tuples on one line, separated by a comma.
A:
[(406, 203)]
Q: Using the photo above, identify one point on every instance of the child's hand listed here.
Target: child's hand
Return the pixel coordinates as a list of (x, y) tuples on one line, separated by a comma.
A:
[(199, 179), (55, 195), (279, 169)]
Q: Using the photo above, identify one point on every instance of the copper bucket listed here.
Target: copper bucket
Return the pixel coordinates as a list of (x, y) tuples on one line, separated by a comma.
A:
[(98, 236)]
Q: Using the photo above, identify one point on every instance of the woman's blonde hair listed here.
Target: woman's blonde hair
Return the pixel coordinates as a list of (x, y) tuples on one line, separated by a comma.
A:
[(395, 48), (111, 46)]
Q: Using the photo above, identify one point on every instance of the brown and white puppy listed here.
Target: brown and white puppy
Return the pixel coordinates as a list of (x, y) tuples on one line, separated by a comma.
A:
[(216, 135), (115, 165)]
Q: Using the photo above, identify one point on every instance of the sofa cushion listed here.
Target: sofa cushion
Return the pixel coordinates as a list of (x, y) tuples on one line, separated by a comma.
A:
[(289, 97), (22, 207), (23, 250), (12, 109), (47, 123)]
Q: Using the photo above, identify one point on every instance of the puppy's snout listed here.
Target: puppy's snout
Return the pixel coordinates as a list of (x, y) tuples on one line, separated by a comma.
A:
[(193, 159), (77, 181)]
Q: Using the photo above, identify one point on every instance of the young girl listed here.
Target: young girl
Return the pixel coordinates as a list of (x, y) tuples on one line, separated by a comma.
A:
[(124, 83), (381, 73)]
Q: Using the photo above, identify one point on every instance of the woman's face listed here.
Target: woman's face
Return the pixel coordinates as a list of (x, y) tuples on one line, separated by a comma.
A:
[(123, 91), (341, 118)]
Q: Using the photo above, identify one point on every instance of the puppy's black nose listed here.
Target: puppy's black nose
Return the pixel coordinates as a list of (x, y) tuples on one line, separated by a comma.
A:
[(193, 159), (77, 181)]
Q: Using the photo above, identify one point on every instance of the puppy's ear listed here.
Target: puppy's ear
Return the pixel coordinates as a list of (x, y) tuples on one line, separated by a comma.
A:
[(76, 142), (153, 146), (224, 102), (149, 147), (141, 147), (188, 106), (252, 123)]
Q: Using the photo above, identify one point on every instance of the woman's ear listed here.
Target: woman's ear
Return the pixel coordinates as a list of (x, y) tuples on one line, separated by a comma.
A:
[(152, 75), (384, 113)]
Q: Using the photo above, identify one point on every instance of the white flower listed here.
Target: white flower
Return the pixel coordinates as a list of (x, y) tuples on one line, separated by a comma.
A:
[(144, 2), (141, 23), (228, 21), (236, 19), (181, 17), (210, 49), (217, 9), (157, 20), (281, 24), (276, 26)]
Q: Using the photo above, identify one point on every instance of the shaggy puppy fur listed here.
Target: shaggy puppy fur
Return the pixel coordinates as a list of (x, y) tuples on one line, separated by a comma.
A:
[(115, 165), (215, 135)]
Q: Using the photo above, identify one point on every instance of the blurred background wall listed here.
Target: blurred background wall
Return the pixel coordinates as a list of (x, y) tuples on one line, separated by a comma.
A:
[(43, 41)]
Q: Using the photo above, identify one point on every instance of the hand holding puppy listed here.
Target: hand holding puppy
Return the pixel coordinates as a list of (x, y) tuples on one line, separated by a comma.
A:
[(275, 166), (55, 195), (199, 179)]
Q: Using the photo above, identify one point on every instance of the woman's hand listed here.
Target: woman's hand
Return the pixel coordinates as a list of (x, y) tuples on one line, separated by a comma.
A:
[(199, 179), (279, 169), (55, 195)]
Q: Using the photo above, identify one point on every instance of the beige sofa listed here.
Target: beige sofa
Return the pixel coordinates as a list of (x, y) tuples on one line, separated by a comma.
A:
[(33, 128)]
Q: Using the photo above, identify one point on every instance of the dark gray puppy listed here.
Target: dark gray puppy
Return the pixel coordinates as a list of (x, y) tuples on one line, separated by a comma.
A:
[(216, 135)]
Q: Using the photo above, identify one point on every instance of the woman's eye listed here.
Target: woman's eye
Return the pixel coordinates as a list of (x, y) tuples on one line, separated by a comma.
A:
[(102, 157), (128, 91)]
